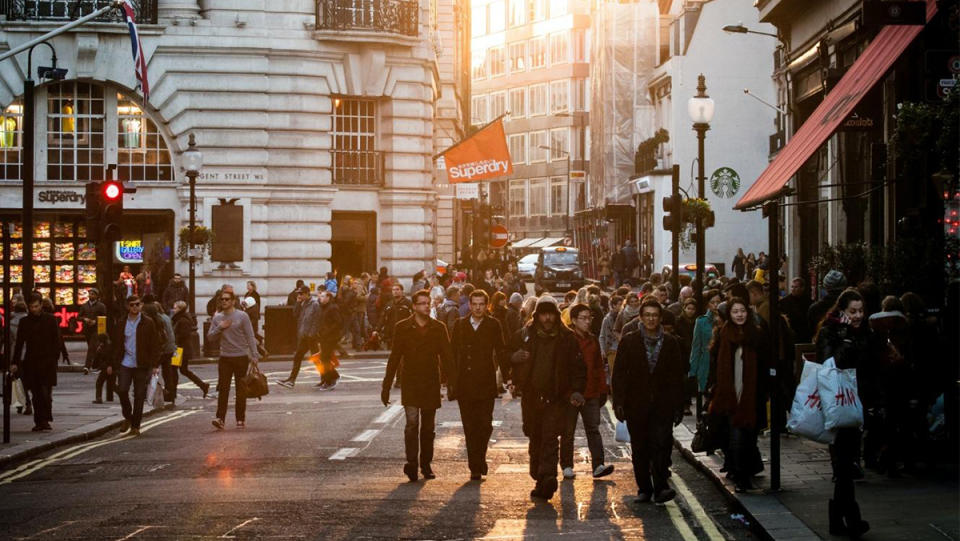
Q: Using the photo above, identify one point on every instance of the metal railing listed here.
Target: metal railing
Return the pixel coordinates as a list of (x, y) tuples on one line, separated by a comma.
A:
[(66, 10), (391, 16), (357, 167)]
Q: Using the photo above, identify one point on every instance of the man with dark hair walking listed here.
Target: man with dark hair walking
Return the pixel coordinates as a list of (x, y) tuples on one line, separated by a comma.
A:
[(478, 349), (422, 347), (89, 312), (38, 332), (136, 355), (550, 373), (307, 314), (648, 394), (329, 330), (238, 348)]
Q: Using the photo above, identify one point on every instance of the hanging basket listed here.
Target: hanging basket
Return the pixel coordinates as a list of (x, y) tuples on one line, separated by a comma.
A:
[(202, 238), (694, 208)]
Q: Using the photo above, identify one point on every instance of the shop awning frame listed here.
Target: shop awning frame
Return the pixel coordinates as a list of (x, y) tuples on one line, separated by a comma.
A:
[(863, 75), (549, 241), (526, 242)]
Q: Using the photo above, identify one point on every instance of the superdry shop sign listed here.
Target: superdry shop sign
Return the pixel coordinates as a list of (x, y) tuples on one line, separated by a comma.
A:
[(60, 198), (482, 156)]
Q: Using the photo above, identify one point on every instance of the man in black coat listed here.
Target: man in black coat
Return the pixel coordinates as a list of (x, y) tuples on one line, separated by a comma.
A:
[(396, 311), (478, 350), (648, 394), (795, 306), (89, 312), (136, 355), (38, 331), (330, 329), (421, 345), (548, 370)]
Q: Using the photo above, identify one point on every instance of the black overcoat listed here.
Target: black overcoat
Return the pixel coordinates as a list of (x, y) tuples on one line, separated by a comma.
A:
[(423, 357), (641, 394), (41, 336), (476, 356)]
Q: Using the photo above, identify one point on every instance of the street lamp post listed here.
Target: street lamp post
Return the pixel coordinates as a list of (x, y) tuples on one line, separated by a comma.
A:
[(700, 108), (192, 162)]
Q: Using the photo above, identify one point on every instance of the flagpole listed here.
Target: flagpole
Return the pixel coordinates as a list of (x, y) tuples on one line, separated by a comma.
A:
[(56, 32), (458, 143)]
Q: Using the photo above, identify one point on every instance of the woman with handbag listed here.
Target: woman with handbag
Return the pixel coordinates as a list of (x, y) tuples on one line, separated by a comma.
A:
[(843, 335), (740, 355)]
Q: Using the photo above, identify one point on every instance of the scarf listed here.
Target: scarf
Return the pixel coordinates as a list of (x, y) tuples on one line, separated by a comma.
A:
[(652, 343), (629, 312), (742, 411)]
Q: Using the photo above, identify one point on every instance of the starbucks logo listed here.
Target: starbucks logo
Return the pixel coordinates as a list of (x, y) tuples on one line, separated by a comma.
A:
[(725, 182)]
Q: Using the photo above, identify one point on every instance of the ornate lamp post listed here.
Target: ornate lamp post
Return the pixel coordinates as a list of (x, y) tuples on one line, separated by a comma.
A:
[(192, 163), (700, 109)]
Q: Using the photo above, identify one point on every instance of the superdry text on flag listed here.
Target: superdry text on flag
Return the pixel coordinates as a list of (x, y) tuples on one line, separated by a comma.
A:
[(482, 156), (139, 61)]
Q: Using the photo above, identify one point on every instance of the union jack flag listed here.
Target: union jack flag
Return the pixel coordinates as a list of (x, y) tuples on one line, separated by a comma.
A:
[(139, 62)]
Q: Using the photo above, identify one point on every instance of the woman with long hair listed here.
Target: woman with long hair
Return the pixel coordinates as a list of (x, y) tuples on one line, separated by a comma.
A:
[(739, 354), (844, 335)]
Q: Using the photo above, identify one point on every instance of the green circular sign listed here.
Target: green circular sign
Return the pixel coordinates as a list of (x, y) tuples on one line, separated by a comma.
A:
[(725, 182)]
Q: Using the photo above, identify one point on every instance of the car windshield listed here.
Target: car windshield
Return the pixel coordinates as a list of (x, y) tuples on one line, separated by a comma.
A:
[(560, 258), (528, 259)]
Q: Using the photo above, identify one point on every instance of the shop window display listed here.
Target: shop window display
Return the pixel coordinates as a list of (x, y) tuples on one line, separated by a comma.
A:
[(11, 133)]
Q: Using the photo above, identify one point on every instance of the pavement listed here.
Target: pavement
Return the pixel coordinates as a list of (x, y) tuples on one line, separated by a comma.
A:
[(916, 507)]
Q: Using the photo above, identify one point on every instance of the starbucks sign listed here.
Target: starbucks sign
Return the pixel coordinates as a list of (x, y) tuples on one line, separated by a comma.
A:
[(725, 182)]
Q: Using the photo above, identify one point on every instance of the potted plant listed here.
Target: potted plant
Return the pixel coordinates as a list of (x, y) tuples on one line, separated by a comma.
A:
[(202, 238), (694, 208)]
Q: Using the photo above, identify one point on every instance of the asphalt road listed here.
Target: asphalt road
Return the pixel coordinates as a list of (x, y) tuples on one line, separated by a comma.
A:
[(327, 465)]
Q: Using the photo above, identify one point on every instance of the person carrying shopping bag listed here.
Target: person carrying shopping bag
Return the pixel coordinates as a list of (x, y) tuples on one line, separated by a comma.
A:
[(238, 348)]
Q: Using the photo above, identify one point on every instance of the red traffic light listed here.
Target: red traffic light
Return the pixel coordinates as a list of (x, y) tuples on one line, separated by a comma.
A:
[(112, 191)]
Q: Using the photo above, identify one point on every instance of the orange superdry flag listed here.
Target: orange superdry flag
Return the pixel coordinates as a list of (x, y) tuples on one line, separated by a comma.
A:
[(482, 156)]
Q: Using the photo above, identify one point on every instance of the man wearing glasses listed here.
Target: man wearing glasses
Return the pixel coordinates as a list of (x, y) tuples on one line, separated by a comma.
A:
[(238, 348), (136, 354)]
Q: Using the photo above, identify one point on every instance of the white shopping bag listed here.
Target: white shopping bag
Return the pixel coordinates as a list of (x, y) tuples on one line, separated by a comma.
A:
[(19, 394), (806, 415), (623, 435), (839, 398), (155, 391)]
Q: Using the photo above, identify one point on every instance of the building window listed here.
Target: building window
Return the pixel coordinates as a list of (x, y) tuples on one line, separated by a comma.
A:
[(558, 8), (581, 94), (498, 16), (518, 198), (11, 141), (559, 144), (518, 102), (538, 10), (518, 12), (581, 46), (559, 96), (538, 197), (498, 104), (518, 56), (558, 196), (498, 61), (538, 99), (478, 109), (538, 140), (75, 121), (538, 53), (355, 159), (478, 65), (478, 21), (518, 148), (142, 153), (559, 48)]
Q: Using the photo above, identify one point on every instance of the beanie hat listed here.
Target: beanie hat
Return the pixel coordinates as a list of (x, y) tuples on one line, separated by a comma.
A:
[(834, 281), (546, 303), (516, 298)]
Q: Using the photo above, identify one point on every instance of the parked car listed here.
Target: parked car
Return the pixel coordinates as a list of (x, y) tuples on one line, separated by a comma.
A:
[(526, 266), (558, 270), (690, 269)]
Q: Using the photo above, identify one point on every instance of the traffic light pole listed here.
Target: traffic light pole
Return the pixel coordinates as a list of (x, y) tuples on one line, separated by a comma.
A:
[(772, 212), (675, 233)]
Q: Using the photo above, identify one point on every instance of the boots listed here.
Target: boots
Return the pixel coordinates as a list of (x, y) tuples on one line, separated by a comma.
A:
[(837, 527), (856, 526)]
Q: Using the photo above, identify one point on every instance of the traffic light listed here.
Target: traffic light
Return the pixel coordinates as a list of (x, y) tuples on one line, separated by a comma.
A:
[(91, 215), (673, 213), (111, 209), (482, 226)]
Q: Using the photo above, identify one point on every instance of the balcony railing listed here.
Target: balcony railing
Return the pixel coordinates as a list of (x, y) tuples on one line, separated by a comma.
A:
[(65, 10), (357, 167), (390, 16)]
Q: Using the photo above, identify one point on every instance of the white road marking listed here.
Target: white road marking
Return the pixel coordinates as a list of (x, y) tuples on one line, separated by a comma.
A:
[(135, 533), (367, 435), (389, 415), (344, 453), (237, 527), (678, 523), (698, 513), (49, 530), (158, 467)]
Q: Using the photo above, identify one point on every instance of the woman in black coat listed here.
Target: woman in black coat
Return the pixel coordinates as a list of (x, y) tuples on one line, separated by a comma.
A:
[(186, 337), (845, 336)]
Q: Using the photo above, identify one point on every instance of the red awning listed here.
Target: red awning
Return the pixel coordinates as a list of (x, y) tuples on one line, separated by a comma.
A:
[(868, 69)]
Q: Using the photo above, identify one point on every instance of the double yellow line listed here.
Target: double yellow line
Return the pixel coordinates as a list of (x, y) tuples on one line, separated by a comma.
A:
[(34, 465)]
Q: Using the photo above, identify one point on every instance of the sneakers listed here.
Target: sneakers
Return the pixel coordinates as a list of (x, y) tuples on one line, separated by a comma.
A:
[(218, 423), (665, 495), (568, 473), (602, 470), (286, 383)]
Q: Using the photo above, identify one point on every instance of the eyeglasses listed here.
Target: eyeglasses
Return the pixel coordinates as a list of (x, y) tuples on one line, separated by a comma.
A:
[(134, 303)]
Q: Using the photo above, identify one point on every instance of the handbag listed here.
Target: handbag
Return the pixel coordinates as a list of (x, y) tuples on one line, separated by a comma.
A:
[(255, 383), (155, 392), (705, 438), (177, 358)]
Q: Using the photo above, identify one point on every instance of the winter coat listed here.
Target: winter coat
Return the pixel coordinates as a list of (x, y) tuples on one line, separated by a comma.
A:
[(175, 291), (41, 336), (569, 373), (185, 333), (424, 353), (617, 262), (595, 364), (373, 300), (630, 258), (169, 344), (795, 308), (644, 395), (148, 346), (254, 311), (89, 311), (608, 339), (395, 312), (700, 350), (329, 323), (448, 314), (852, 348), (476, 356), (747, 411), (308, 318)]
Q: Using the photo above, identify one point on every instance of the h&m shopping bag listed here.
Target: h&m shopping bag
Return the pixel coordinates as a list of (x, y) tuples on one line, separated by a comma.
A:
[(839, 398), (806, 415)]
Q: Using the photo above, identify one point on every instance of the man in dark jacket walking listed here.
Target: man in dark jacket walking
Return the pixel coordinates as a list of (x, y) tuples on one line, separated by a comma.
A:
[(619, 267), (396, 311), (307, 314), (550, 375), (421, 345), (38, 368), (136, 354), (630, 258), (175, 291), (648, 394), (478, 349), (89, 312), (329, 331), (795, 306)]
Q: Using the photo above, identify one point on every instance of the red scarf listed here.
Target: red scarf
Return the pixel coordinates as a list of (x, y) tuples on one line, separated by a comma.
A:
[(743, 413)]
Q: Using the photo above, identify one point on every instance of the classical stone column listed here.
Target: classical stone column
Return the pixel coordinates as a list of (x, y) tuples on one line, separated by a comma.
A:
[(178, 9)]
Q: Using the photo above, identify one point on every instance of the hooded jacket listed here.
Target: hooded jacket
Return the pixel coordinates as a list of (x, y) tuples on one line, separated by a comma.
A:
[(568, 373)]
